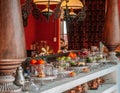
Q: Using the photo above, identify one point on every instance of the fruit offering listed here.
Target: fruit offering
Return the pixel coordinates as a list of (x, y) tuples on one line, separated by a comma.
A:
[(72, 91), (41, 74), (73, 63), (89, 59), (39, 61), (86, 69), (33, 61), (72, 74), (93, 84), (77, 64), (72, 55), (81, 63), (65, 58)]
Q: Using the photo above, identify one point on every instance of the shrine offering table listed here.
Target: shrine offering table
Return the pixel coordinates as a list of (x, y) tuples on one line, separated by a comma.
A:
[(108, 71)]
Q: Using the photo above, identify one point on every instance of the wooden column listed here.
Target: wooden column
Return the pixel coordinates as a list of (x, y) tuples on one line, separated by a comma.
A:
[(111, 28), (12, 43)]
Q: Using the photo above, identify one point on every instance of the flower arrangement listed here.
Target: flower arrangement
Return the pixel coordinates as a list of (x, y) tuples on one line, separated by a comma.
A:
[(84, 53), (46, 50)]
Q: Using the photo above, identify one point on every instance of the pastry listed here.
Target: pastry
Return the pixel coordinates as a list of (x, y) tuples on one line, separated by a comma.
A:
[(86, 69), (81, 63), (41, 74)]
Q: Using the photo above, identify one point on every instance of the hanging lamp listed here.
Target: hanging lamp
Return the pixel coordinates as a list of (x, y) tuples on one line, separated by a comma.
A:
[(72, 14), (47, 12), (44, 2), (72, 4)]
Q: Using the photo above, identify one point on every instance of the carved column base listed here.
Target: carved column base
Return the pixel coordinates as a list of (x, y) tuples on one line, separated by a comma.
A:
[(113, 58), (7, 85), (112, 47)]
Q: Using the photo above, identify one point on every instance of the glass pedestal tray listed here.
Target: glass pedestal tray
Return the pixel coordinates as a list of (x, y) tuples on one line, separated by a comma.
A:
[(36, 83), (42, 81), (106, 61), (64, 73), (30, 86), (45, 78), (79, 69), (92, 64)]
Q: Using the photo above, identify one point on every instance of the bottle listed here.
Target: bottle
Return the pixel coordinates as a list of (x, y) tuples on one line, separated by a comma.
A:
[(19, 78)]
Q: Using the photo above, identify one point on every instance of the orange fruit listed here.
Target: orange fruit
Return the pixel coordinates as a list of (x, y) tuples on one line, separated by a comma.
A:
[(40, 61), (33, 61), (72, 55)]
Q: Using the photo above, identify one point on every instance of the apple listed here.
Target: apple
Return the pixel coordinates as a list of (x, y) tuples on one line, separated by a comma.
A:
[(68, 58), (73, 63)]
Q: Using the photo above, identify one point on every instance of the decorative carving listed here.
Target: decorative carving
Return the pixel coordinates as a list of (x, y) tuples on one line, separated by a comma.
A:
[(36, 12), (82, 14), (112, 47), (25, 17), (29, 6), (57, 10), (6, 85), (26, 8)]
